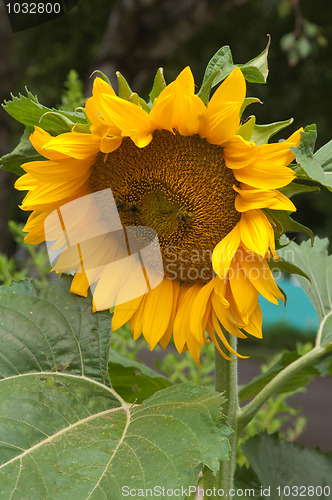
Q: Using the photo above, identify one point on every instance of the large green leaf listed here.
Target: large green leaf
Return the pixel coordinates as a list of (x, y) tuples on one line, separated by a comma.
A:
[(64, 432), (65, 437), (317, 264), (50, 329), (281, 469), (134, 381)]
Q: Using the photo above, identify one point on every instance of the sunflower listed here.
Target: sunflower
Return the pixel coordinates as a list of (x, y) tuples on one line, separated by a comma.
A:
[(184, 170)]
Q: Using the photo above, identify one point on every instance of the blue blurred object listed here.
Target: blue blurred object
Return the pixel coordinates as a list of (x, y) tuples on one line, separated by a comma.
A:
[(299, 312)]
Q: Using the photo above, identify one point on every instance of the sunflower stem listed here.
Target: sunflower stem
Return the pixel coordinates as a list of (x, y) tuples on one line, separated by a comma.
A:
[(249, 411), (226, 381)]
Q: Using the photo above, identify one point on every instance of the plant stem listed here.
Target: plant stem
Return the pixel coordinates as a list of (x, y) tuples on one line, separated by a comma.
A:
[(250, 410), (226, 381)]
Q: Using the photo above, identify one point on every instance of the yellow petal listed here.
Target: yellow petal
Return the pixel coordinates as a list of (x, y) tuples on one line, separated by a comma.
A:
[(256, 232), (244, 293), (123, 312), (224, 252), (254, 326), (259, 274), (223, 339), (182, 319), (249, 199), (164, 341), (200, 306), (157, 312), (73, 144), (58, 171), (265, 175), (177, 107), (132, 120), (80, 284), (224, 108)]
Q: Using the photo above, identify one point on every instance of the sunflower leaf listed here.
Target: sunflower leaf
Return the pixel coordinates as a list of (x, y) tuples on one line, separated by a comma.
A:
[(158, 84), (134, 381), (262, 133), (317, 264), (295, 188), (204, 91), (45, 328), (321, 368), (72, 434), (221, 64), (23, 153), (285, 224), (286, 267), (247, 102), (30, 112), (314, 166), (279, 469)]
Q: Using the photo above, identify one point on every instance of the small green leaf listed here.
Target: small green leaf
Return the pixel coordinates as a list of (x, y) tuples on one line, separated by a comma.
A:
[(136, 99), (285, 224), (295, 188), (23, 153), (247, 102), (262, 133), (124, 89), (245, 130), (286, 267), (283, 469), (134, 381), (126, 93), (221, 65), (158, 84), (204, 91), (101, 75), (259, 63)]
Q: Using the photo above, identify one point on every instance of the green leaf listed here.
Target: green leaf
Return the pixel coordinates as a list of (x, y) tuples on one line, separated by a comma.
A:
[(64, 432), (318, 166), (295, 188), (322, 367), (30, 112), (317, 264), (262, 133), (278, 464), (221, 65), (248, 101), (286, 267), (66, 436), (50, 329), (126, 93), (158, 84), (256, 70), (285, 224), (101, 75), (134, 381), (23, 153), (246, 129)]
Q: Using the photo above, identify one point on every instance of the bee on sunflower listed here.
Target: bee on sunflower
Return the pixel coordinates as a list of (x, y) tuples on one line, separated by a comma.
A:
[(183, 169)]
